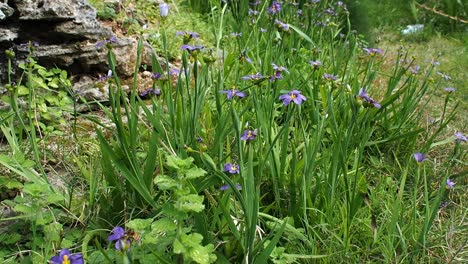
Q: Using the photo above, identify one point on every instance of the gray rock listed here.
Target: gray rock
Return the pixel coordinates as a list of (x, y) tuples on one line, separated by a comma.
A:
[(5, 11), (86, 88), (67, 32), (51, 10), (91, 90), (84, 24), (8, 34)]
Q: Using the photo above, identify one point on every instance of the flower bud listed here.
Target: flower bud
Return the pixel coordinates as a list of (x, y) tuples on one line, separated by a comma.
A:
[(10, 54), (163, 9)]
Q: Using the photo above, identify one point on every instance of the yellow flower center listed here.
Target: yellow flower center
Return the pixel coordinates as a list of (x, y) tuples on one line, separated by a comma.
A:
[(66, 260), (292, 96), (234, 168)]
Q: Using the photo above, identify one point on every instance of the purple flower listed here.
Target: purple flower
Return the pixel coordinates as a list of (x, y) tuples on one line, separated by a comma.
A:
[(278, 71), (315, 1), (231, 168), (163, 9), (329, 11), (373, 51), (342, 5), (294, 96), (263, 30), (174, 71), (188, 35), (435, 63), (281, 25), (108, 42), (415, 70), (274, 8), (253, 12), (330, 77), (226, 187), (156, 75), (233, 92), (366, 99), (445, 76), (443, 205), (449, 89), (105, 77), (253, 77), (236, 34), (459, 137), (191, 48), (120, 237), (249, 134), (65, 257), (316, 64), (419, 157), (450, 184), (150, 92)]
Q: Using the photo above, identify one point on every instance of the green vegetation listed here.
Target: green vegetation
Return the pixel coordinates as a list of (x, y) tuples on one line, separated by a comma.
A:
[(288, 138)]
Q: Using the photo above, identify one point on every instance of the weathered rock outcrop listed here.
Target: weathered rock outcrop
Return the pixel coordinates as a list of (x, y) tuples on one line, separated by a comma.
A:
[(66, 32)]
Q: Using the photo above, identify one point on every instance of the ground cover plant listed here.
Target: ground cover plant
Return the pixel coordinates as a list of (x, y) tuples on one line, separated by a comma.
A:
[(276, 135)]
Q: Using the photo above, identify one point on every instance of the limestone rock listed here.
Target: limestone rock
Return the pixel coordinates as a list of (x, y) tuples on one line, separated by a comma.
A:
[(8, 34), (5, 11), (67, 32), (50, 10)]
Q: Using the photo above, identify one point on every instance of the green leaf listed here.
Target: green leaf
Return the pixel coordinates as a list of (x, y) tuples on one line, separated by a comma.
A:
[(63, 75), (13, 184), (190, 246), (35, 190), (178, 163), (170, 211), (191, 240), (302, 34), (178, 247), (190, 203), (54, 198), (139, 225), (42, 72), (39, 82), (23, 90), (194, 173), (21, 208), (163, 225), (164, 182), (66, 243), (53, 232), (9, 238), (201, 254)]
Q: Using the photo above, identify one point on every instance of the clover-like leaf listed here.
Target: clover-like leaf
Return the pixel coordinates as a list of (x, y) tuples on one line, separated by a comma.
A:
[(178, 163), (190, 203), (194, 173), (163, 225), (139, 225), (165, 182)]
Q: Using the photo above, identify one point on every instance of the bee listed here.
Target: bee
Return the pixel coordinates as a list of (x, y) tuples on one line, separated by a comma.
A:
[(134, 236), (243, 57)]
